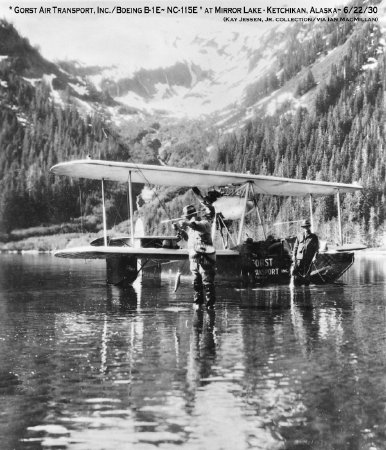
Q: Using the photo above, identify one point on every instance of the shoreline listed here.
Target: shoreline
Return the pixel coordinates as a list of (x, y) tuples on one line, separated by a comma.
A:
[(48, 244)]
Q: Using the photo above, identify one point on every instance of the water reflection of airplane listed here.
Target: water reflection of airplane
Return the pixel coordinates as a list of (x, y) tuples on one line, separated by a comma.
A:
[(316, 315), (255, 261), (273, 298), (296, 356)]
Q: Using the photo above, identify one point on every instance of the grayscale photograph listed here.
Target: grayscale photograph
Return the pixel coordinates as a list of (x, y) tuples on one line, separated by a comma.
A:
[(192, 225)]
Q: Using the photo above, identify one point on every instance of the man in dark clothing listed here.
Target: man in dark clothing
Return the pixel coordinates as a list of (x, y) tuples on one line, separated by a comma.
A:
[(305, 248), (202, 255)]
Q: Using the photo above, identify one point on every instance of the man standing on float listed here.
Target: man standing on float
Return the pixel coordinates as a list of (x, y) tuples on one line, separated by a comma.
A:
[(305, 248), (202, 255)]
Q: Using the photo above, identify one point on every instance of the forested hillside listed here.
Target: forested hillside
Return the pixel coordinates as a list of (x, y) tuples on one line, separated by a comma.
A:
[(337, 135), (36, 132), (341, 137), (34, 135)]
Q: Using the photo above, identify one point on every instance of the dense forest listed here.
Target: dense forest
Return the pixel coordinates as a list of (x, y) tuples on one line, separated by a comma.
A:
[(342, 139), (338, 137), (36, 133)]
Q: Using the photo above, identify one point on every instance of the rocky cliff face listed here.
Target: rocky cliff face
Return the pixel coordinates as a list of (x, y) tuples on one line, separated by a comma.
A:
[(227, 78)]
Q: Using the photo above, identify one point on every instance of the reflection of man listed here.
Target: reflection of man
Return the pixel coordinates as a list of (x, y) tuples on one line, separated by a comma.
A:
[(201, 356), (202, 254), (305, 248)]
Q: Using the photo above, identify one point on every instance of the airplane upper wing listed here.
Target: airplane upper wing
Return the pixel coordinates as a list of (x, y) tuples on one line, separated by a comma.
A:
[(175, 176), (162, 254)]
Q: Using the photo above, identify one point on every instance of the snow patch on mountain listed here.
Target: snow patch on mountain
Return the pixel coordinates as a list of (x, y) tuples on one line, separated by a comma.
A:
[(133, 100), (55, 95), (218, 69), (48, 79), (372, 63), (32, 81), (83, 106), (81, 90)]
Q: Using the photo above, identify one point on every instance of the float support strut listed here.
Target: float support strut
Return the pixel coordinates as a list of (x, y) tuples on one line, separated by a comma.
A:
[(258, 211), (243, 215)]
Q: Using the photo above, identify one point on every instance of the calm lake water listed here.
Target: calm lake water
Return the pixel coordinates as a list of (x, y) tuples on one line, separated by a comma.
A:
[(85, 366)]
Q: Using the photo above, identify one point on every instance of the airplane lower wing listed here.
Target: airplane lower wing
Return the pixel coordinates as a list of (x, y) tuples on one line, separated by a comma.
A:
[(161, 254)]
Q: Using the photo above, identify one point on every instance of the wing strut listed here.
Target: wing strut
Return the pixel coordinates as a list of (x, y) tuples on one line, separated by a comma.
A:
[(104, 213), (311, 215), (339, 218), (131, 209)]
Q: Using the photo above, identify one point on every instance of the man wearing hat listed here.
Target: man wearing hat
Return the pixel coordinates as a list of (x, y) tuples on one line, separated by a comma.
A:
[(202, 254), (305, 248)]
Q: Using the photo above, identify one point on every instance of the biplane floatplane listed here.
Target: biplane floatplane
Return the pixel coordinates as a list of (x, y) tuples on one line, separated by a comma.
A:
[(247, 260)]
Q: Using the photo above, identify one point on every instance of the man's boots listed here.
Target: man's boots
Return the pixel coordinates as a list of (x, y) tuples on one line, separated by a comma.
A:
[(198, 294), (198, 298)]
